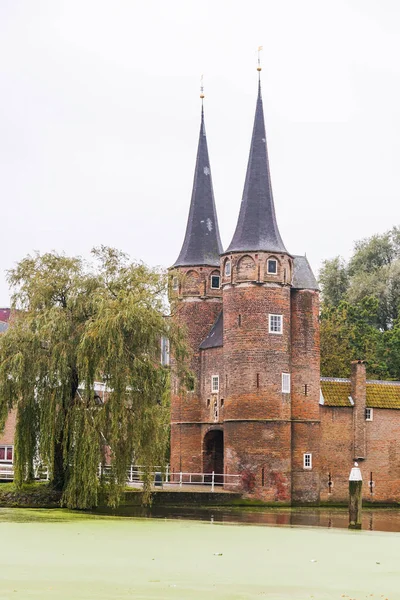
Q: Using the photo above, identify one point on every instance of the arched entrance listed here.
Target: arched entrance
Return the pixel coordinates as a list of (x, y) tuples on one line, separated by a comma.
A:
[(213, 453)]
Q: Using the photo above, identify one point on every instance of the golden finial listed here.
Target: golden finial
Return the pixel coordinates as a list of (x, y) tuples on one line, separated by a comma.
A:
[(259, 60), (201, 88)]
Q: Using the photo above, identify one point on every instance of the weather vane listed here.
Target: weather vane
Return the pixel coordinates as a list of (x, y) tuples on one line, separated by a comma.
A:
[(259, 58), (201, 89)]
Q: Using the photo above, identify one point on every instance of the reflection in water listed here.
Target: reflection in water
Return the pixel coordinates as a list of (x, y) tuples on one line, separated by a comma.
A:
[(373, 519)]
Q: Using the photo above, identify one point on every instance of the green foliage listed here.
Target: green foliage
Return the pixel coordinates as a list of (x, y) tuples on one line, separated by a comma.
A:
[(361, 307), (75, 324)]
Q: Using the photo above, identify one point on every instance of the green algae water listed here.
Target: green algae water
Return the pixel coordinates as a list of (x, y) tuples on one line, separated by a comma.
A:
[(63, 555)]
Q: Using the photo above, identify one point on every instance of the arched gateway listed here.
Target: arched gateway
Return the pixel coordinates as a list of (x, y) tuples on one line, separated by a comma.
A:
[(213, 453)]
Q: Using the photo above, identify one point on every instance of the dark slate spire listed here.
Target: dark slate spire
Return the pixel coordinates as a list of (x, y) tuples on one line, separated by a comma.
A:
[(202, 243), (257, 228)]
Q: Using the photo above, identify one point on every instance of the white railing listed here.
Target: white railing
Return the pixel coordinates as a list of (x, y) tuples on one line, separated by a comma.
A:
[(41, 472), (160, 477), (165, 478)]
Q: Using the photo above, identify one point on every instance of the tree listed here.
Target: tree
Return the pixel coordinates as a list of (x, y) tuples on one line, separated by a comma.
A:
[(373, 270), (349, 332), (334, 280), (74, 324)]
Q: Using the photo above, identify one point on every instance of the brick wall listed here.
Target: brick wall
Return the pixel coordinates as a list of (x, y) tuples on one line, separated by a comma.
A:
[(382, 454), (195, 306), (7, 435)]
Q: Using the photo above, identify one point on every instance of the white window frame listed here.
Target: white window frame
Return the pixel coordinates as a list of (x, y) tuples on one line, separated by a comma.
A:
[(228, 268), (7, 460), (307, 460), (276, 266), (214, 384), (370, 413), (285, 383), (213, 287), (271, 318)]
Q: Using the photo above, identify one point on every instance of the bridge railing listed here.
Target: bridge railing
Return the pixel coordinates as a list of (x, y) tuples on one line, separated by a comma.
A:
[(136, 474)]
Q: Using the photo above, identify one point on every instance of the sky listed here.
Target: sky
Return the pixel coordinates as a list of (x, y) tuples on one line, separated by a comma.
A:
[(100, 116)]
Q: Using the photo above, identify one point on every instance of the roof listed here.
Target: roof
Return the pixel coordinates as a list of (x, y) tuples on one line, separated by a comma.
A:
[(202, 243), (257, 228), (5, 314), (215, 337), (303, 277), (380, 394)]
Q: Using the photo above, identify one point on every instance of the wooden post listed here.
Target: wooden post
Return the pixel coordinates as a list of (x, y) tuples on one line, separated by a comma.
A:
[(355, 497)]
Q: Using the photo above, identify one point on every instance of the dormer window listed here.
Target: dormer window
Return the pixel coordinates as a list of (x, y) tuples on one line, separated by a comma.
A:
[(228, 268), (272, 266), (215, 282)]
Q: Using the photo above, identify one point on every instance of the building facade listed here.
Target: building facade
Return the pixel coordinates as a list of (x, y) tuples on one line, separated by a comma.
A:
[(258, 407), (251, 313)]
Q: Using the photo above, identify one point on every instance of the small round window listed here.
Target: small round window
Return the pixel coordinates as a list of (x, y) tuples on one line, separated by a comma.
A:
[(272, 266)]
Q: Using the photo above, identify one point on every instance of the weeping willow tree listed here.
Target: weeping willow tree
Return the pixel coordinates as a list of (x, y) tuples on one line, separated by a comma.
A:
[(76, 324)]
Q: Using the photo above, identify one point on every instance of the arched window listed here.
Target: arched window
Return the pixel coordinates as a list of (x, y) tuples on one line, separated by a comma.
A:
[(215, 283)]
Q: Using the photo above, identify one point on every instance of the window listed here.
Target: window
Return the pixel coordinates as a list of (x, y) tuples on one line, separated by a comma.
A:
[(307, 461), (215, 282), (272, 266), (164, 351), (175, 283), (215, 384), (369, 414), (275, 323), (6, 453), (215, 410), (286, 383), (228, 268)]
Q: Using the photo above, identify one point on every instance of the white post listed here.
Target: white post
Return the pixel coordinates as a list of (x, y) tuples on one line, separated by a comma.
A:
[(180, 479), (166, 474), (131, 474), (99, 469), (212, 481)]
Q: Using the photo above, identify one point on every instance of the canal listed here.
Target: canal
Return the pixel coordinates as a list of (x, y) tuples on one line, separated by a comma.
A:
[(65, 555)]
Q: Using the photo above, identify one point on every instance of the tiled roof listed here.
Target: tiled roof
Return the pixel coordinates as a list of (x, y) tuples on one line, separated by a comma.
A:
[(303, 277), (215, 337), (383, 394), (257, 228), (380, 394), (336, 392), (202, 243)]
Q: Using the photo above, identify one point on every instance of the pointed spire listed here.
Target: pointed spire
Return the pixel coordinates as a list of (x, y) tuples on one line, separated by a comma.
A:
[(257, 228), (202, 243)]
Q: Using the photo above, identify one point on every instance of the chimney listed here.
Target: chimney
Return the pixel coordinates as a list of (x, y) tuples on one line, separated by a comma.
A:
[(359, 396)]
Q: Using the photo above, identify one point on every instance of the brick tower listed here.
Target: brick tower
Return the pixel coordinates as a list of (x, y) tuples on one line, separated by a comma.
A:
[(196, 301), (256, 283), (254, 410), (270, 341)]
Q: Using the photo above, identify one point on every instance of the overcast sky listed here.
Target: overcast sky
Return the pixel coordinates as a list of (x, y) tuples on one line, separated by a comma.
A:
[(100, 111)]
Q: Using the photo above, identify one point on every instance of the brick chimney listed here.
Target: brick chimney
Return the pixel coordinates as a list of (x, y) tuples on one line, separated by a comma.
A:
[(359, 396)]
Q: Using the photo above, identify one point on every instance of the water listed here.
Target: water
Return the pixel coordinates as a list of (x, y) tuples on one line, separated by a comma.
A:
[(64, 555), (373, 519)]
